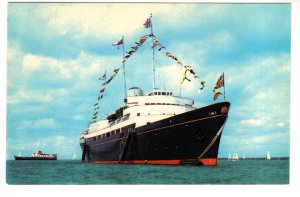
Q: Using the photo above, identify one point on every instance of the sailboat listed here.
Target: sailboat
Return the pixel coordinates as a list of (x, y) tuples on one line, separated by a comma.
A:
[(268, 156), (74, 156), (158, 127), (235, 157)]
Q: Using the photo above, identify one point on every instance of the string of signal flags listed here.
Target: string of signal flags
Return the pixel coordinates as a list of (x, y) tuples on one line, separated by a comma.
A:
[(161, 48)]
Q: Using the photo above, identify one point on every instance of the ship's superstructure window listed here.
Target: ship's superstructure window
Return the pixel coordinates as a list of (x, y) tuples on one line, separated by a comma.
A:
[(138, 114), (163, 93)]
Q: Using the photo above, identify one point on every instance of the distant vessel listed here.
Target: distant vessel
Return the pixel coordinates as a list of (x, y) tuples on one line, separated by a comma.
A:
[(234, 157), (74, 156), (37, 156), (268, 156)]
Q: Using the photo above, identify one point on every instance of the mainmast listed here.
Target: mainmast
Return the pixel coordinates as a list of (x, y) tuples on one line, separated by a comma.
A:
[(153, 52)]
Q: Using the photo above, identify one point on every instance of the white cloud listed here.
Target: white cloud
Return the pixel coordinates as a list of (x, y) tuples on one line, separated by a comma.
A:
[(171, 77), (31, 62), (45, 123), (42, 123), (78, 117), (254, 144), (280, 124), (24, 96), (36, 62), (96, 19), (252, 122), (104, 19)]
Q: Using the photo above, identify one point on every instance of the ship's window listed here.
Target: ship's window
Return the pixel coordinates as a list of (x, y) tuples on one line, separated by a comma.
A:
[(147, 103), (167, 93), (163, 93), (155, 93), (152, 103), (108, 134), (148, 113), (158, 103), (138, 114), (159, 93), (171, 93), (163, 103), (163, 113), (148, 122)]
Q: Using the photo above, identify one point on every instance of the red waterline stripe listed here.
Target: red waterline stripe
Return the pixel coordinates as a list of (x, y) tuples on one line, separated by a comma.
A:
[(206, 162)]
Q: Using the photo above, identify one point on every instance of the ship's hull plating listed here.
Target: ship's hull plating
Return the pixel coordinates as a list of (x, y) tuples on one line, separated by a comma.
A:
[(189, 138)]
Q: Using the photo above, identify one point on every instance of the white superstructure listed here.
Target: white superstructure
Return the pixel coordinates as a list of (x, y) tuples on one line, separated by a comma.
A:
[(141, 110)]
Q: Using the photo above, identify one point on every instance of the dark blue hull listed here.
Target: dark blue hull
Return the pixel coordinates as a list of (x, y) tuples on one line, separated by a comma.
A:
[(188, 138)]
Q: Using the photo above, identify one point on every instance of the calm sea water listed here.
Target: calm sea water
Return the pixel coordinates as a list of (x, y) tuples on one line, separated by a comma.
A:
[(75, 172)]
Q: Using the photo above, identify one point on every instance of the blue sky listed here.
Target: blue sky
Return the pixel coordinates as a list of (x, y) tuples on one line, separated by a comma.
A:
[(56, 53)]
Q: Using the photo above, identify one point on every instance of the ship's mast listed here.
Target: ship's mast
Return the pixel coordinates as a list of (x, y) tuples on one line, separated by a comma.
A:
[(125, 95), (153, 52)]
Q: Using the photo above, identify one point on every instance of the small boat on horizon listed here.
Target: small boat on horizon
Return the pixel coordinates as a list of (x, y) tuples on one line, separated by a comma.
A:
[(37, 156), (268, 156), (74, 156)]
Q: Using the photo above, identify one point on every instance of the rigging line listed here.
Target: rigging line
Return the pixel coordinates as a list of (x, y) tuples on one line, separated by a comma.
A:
[(125, 88)]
